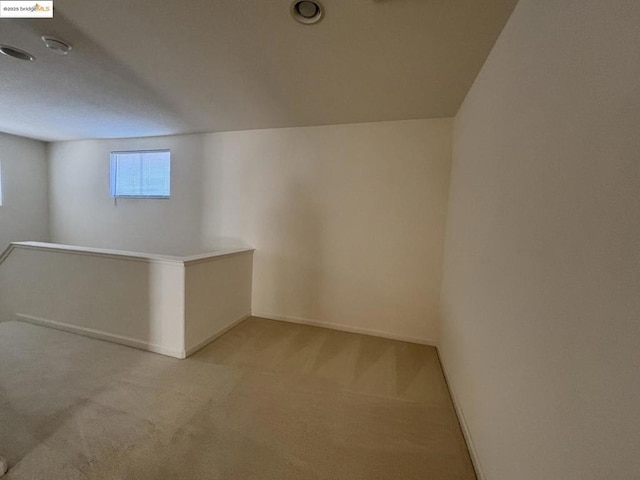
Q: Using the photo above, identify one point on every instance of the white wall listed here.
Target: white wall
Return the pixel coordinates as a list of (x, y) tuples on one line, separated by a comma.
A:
[(24, 212), (217, 296), (541, 291), (347, 220), (169, 305), (134, 301), (83, 212)]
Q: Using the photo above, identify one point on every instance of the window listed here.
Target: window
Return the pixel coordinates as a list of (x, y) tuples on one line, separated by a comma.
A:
[(141, 174)]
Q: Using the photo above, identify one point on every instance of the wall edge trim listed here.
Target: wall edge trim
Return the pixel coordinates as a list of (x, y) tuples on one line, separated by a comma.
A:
[(200, 345), (345, 328), (473, 452), (100, 335)]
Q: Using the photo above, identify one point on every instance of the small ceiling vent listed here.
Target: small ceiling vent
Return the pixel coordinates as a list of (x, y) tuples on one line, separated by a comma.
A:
[(307, 12), (16, 53), (58, 46)]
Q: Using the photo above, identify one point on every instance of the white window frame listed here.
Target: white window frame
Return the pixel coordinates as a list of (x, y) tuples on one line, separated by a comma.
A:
[(113, 174)]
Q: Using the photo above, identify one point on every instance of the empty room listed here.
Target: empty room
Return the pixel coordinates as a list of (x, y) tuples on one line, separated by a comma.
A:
[(320, 239)]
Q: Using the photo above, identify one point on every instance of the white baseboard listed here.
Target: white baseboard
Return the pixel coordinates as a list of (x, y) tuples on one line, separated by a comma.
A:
[(345, 328), (463, 424), (100, 335), (216, 335)]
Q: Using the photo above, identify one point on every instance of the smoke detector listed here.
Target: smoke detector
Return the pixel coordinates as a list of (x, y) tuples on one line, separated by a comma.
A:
[(16, 53), (307, 12), (58, 46)]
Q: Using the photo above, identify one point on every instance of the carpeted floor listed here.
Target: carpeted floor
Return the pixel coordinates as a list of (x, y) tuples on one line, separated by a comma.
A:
[(268, 400)]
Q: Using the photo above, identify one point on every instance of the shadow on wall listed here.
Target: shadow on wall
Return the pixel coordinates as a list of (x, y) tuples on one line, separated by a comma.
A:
[(296, 266), (72, 383), (128, 300), (80, 291)]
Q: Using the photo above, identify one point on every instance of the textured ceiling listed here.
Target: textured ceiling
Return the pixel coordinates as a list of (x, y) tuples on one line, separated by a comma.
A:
[(148, 67)]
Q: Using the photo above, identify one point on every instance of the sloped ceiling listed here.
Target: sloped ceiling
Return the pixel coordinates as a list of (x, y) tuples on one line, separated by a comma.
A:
[(148, 67)]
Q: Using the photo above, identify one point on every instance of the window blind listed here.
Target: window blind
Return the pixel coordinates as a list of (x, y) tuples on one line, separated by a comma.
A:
[(141, 174)]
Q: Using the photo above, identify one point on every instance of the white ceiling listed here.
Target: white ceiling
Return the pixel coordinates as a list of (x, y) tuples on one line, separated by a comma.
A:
[(149, 67)]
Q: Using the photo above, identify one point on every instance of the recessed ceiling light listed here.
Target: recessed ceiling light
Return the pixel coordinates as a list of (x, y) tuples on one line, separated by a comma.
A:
[(16, 53), (307, 11), (59, 46)]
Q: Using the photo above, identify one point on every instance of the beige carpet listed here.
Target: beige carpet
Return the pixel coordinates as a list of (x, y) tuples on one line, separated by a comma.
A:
[(268, 400)]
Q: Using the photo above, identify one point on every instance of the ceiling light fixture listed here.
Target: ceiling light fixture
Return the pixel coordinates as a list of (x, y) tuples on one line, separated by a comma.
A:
[(58, 46), (307, 12), (16, 53)]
